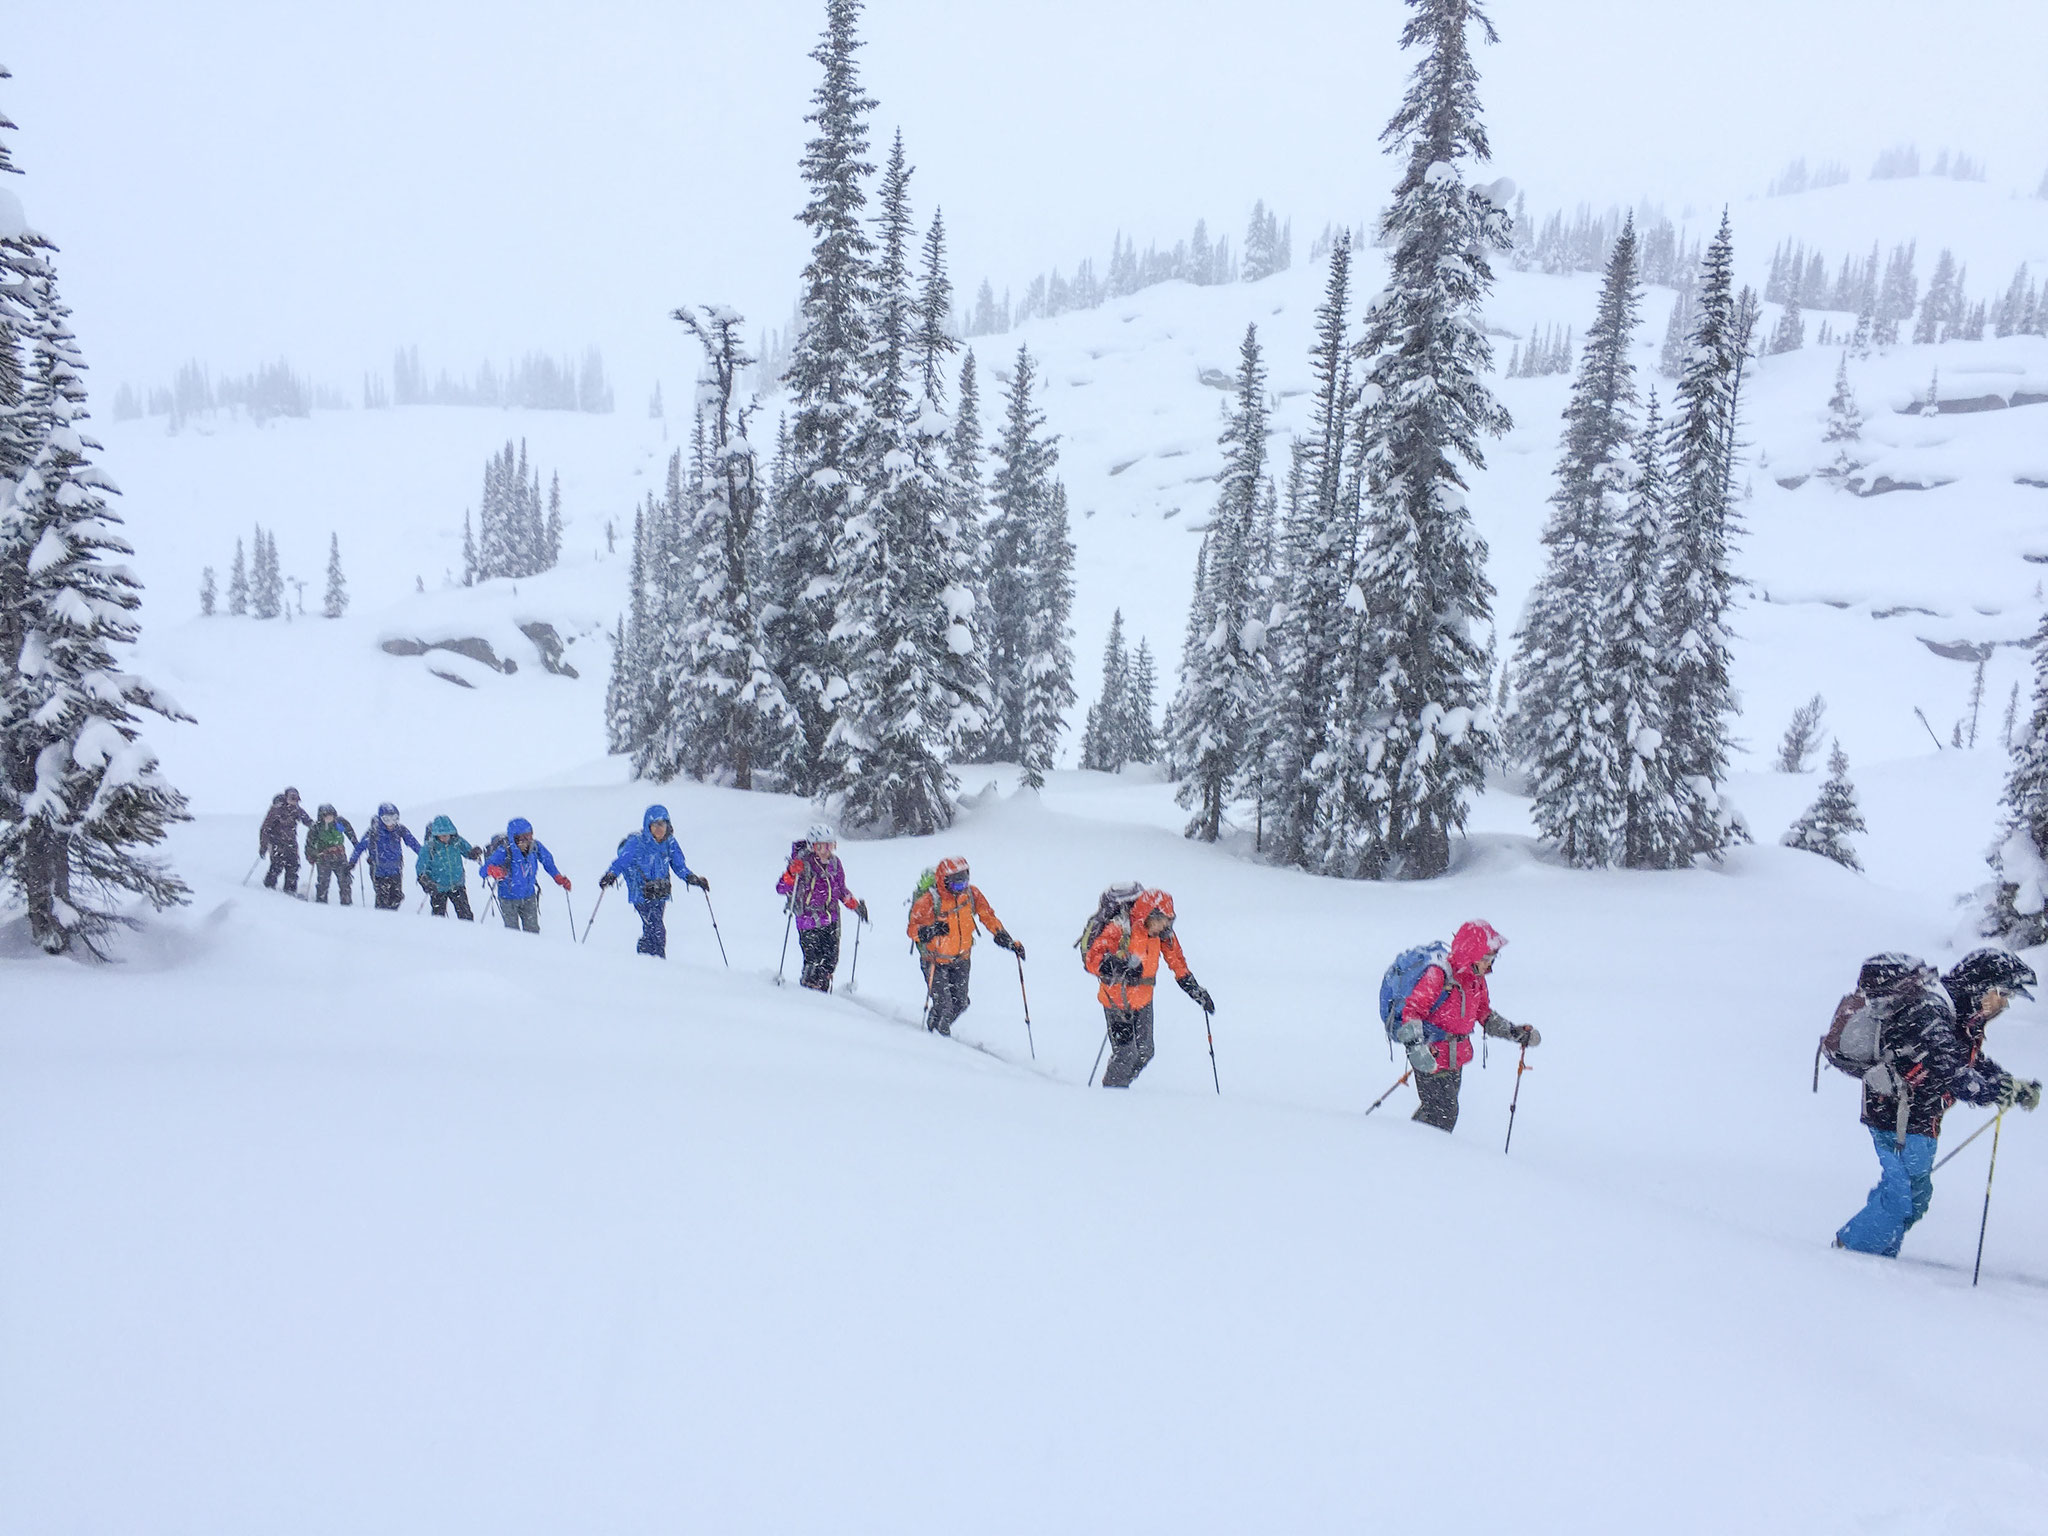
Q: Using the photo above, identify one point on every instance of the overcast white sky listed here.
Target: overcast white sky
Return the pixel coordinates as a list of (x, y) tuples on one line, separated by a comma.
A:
[(236, 180)]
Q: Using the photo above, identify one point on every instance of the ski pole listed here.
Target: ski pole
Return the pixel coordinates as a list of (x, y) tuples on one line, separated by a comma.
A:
[(931, 973), (252, 870), (1997, 1126), (569, 902), (721, 937), (1964, 1143), (416, 911), (1521, 1066), (789, 908), (1025, 993), (853, 977), (1208, 1018), (1376, 1103), (600, 903), (1098, 1057)]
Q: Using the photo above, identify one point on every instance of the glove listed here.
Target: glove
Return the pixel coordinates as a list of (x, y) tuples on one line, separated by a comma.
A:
[(562, 881), (931, 931), (1115, 969), (1525, 1035), (495, 873), (1422, 1059), (1199, 993), (2017, 1091), (2029, 1096), (701, 883), (1004, 941), (861, 908), (608, 881)]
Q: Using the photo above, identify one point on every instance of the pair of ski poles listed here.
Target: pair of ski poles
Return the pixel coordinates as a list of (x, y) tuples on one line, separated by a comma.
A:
[(1996, 1126), (599, 907), (1521, 1066), (1209, 1029)]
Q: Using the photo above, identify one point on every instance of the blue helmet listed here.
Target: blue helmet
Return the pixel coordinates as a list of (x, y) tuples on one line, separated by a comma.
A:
[(518, 827), (387, 809)]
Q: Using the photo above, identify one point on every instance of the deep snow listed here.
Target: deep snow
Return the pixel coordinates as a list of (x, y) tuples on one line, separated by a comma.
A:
[(326, 1221)]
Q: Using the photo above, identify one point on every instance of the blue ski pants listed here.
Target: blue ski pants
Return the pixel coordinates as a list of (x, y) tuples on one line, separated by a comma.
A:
[(1905, 1188)]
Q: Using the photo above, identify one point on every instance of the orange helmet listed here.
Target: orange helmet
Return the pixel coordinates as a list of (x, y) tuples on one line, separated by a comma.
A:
[(947, 869), (1152, 901)]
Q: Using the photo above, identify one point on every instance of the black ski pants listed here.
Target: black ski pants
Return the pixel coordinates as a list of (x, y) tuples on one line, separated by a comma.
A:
[(457, 898), (390, 891), (334, 872), (821, 956), (520, 912), (1130, 1044), (1439, 1094), (284, 860), (946, 986)]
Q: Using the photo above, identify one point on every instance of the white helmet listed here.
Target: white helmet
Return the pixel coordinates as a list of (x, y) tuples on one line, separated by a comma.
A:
[(821, 832)]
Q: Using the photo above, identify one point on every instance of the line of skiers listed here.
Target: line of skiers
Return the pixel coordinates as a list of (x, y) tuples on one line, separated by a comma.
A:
[(1914, 1038)]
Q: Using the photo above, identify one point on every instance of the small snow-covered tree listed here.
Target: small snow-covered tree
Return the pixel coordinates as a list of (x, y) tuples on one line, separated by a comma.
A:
[(1224, 678), (1826, 826), (469, 568), (82, 799), (266, 579), (1845, 426), (1790, 335), (551, 541), (336, 603), (209, 592), (2017, 906), (1105, 746), (1802, 736), (1142, 707)]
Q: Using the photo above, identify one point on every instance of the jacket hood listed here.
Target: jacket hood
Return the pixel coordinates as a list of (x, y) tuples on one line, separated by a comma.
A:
[(656, 813), (328, 810), (1473, 943), (1147, 904), (387, 809), (518, 826), (440, 826), (947, 869)]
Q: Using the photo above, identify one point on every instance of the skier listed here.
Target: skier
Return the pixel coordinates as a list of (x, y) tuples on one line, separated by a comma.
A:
[(515, 862), (1441, 1014), (440, 870), (1931, 1042), (328, 841), (1124, 958), (645, 862), (815, 883), (386, 842), (942, 923), (279, 837)]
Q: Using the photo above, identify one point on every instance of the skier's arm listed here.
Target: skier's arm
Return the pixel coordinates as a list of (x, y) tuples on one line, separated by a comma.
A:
[(1176, 962), (922, 913), (1428, 992), (1107, 942), (986, 913), (547, 860), (410, 841), (789, 876)]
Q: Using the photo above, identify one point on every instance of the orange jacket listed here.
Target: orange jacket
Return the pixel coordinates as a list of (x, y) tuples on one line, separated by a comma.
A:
[(1135, 944), (959, 914)]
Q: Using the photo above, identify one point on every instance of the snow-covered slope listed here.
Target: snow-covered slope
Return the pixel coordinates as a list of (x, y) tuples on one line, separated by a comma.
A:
[(315, 1220)]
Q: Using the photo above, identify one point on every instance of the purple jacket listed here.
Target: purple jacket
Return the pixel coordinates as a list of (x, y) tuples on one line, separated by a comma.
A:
[(818, 889)]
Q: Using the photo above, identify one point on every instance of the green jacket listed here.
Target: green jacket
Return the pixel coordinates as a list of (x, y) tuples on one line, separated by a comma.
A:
[(440, 864), (329, 842)]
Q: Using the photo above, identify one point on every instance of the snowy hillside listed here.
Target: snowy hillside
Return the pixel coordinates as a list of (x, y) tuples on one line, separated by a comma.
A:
[(342, 1221)]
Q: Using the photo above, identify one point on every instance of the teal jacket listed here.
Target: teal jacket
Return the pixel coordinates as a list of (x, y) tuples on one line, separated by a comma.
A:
[(440, 864)]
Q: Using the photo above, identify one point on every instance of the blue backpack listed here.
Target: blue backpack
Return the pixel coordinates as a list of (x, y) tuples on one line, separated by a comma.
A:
[(1403, 976)]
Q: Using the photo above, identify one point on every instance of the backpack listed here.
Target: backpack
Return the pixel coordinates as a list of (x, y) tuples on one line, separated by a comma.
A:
[(1854, 1042), (1112, 906), (928, 881), (1401, 979)]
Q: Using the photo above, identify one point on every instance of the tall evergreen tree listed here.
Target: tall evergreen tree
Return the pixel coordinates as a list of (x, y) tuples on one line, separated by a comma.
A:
[(469, 570), (1318, 559), (1826, 826), (209, 592), (827, 377), (1699, 586), (1659, 809), (1225, 676), (552, 538), (1026, 458), (1425, 720), (1142, 707), (1048, 653), (2017, 906), (1561, 678), (238, 584), (722, 712), (82, 799), (1105, 746), (336, 603), (266, 579)]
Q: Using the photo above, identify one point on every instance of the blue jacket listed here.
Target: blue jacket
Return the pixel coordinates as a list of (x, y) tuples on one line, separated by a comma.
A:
[(386, 847), (522, 870), (642, 859)]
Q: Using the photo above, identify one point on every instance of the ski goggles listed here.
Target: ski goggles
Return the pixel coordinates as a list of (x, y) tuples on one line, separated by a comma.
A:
[(389, 821), (957, 883)]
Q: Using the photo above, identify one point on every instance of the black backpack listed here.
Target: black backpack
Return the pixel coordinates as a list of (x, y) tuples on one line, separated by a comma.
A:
[(1112, 906)]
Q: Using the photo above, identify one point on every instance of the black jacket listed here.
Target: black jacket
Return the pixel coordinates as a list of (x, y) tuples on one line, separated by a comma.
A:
[(1936, 1055)]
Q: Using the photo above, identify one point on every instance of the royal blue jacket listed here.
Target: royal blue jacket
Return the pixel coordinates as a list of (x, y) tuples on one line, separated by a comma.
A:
[(642, 859), (522, 870), (387, 847)]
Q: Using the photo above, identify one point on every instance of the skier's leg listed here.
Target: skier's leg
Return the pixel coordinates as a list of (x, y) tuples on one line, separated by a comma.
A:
[(653, 930), (1919, 1161), (1130, 1044), (1438, 1092), (1880, 1226), (291, 871), (949, 994), (276, 869), (437, 902), (460, 896), (508, 912)]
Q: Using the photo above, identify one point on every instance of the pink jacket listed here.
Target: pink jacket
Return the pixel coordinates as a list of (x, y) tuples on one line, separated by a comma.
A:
[(1459, 1004)]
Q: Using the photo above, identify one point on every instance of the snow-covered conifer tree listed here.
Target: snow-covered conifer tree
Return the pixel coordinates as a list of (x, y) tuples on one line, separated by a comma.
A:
[(1942, 297), (1022, 486), (1896, 296), (1845, 426), (552, 535), (209, 592), (1105, 747), (1826, 826), (1699, 586), (827, 377), (336, 603), (1224, 678), (1561, 664), (1425, 723), (1802, 736), (238, 584), (1141, 708), (469, 570), (2017, 908), (266, 579), (1048, 654), (1790, 335), (81, 797)]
